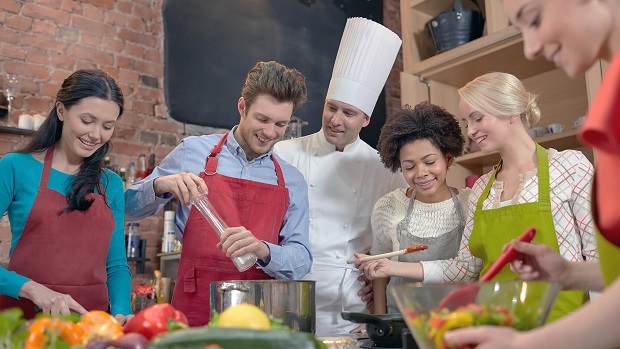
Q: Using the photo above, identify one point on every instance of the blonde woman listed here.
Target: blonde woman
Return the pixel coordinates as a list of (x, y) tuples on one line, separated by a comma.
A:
[(531, 186)]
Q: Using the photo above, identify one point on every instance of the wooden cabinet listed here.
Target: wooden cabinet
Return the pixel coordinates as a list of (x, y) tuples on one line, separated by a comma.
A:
[(427, 76)]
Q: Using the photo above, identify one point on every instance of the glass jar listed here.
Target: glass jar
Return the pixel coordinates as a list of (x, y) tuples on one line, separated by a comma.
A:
[(133, 240)]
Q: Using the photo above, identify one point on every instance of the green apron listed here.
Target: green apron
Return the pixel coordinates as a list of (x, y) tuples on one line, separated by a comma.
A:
[(609, 253), (494, 228)]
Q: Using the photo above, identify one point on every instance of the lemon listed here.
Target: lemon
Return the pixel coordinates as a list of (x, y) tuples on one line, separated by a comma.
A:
[(246, 316)]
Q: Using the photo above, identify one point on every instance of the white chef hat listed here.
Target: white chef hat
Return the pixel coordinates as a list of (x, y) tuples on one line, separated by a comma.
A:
[(365, 57)]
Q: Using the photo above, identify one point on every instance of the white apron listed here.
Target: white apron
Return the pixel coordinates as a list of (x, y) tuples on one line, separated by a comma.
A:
[(342, 190)]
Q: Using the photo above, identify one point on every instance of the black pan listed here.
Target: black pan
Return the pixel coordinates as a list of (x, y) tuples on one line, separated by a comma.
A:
[(384, 330)]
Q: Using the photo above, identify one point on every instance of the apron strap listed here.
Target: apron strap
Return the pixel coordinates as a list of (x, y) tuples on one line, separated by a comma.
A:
[(543, 179), (278, 171), (404, 223), (487, 189), (212, 160), (544, 188), (47, 167)]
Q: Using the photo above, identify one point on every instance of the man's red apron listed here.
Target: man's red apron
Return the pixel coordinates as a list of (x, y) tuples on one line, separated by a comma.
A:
[(66, 252), (259, 207)]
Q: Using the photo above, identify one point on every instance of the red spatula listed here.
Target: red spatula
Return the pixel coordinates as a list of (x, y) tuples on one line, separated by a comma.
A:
[(467, 294)]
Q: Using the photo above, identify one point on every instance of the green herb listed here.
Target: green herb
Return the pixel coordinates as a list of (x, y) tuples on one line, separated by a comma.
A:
[(215, 319), (12, 329)]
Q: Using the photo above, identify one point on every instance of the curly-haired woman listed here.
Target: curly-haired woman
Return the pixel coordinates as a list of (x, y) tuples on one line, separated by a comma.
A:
[(422, 142)]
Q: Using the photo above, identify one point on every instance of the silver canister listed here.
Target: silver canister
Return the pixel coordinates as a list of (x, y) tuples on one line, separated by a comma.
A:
[(289, 300)]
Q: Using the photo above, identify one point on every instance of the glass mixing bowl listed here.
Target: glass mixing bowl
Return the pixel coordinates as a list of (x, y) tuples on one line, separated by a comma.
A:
[(519, 304)]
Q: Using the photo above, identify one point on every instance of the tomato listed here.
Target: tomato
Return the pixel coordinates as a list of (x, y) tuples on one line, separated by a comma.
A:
[(154, 320)]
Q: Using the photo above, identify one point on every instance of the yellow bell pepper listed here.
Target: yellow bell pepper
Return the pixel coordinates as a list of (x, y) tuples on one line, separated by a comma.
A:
[(456, 319), (99, 324)]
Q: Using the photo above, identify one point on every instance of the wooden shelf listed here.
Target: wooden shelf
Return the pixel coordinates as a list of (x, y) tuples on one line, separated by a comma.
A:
[(140, 263), (500, 51), (431, 8), (560, 141), (169, 255), (16, 130)]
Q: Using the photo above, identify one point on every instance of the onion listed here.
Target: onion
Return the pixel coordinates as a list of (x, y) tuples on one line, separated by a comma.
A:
[(128, 341)]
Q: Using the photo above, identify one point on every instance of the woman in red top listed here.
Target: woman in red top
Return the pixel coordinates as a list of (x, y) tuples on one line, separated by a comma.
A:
[(574, 34)]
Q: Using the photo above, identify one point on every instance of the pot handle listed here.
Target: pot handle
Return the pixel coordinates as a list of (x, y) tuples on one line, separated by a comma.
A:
[(232, 286), (382, 327)]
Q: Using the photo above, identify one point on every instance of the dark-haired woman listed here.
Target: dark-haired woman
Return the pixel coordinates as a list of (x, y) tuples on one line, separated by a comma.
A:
[(422, 142), (66, 211)]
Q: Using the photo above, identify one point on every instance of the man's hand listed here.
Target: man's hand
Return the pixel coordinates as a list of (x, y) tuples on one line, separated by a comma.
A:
[(184, 186), (237, 241), (360, 331), (365, 292)]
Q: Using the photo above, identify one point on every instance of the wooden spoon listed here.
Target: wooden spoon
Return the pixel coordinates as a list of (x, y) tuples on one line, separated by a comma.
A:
[(467, 294), (413, 248)]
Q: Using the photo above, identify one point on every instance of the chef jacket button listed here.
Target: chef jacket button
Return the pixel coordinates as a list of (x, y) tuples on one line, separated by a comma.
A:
[(311, 219), (312, 185), (315, 153), (345, 226), (338, 256), (355, 191)]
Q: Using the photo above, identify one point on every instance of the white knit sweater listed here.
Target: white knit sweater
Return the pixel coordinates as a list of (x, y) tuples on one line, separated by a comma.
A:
[(428, 220)]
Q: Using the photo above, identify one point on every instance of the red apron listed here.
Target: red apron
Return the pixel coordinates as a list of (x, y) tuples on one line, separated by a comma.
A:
[(66, 252), (259, 207)]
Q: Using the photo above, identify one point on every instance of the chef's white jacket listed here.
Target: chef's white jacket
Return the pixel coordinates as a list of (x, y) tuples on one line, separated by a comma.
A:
[(343, 188)]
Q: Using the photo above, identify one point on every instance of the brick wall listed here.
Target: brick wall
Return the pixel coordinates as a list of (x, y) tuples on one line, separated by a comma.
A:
[(391, 19), (44, 41)]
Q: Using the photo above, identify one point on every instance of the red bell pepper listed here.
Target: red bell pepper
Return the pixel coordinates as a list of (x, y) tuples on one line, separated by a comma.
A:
[(154, 320)]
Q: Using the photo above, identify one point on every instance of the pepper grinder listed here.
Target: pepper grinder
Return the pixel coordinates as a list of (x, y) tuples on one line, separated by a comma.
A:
[(216, 222)]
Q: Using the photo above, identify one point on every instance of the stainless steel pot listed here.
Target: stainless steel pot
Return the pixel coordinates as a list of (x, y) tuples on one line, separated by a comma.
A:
[(289, 300)]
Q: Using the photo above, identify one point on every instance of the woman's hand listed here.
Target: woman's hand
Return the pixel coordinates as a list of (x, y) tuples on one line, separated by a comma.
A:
[(123, 319), (485, 337), (184, 186), (539, 262), (379, 268), (50, 302)]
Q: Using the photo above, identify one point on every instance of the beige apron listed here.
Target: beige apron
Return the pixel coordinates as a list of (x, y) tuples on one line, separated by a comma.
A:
[(443, 247)]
